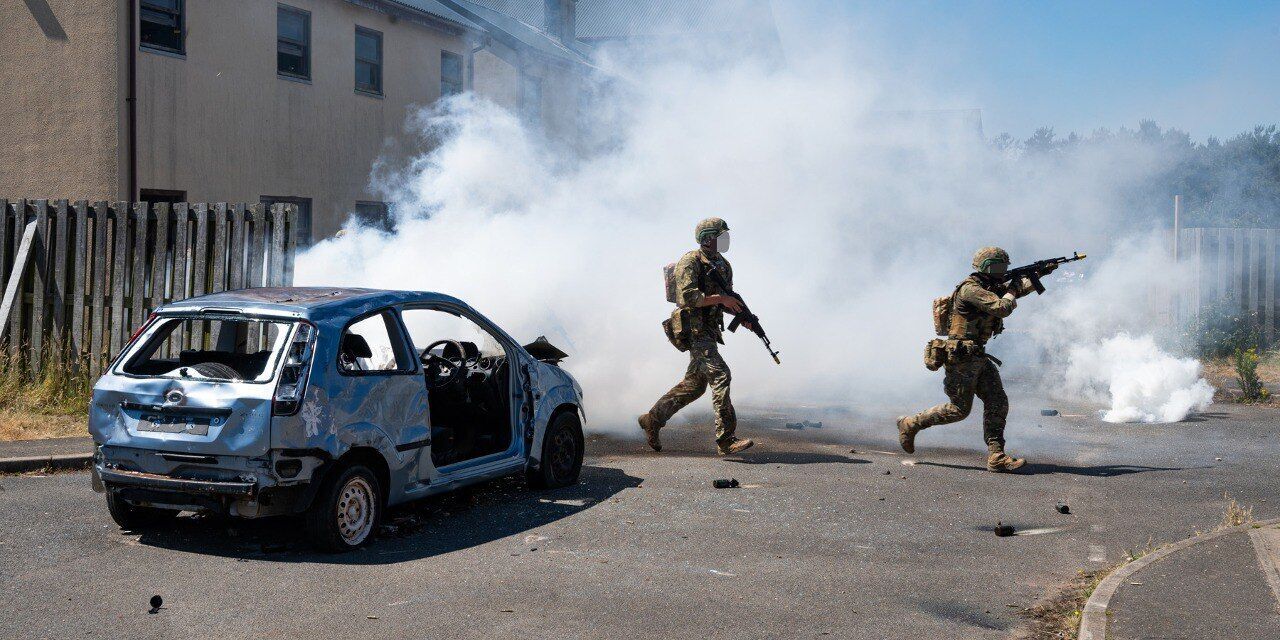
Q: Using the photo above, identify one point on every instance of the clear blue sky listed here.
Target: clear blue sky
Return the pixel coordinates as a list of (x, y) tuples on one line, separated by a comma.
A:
[(1210, 68)]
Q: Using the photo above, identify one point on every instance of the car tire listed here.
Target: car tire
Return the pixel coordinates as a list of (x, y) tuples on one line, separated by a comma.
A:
[(562, 451), (345, 512), (134, 518)]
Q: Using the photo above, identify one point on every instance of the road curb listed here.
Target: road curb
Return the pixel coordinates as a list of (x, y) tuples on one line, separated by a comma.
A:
[(39, 463), (1093, 621)]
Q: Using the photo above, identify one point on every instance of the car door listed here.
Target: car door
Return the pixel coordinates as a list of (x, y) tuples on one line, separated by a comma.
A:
[(494, 359), (378, 394)]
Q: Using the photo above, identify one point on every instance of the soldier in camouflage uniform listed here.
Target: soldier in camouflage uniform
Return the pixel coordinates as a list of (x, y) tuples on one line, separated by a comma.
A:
[(979, 306), (700, 316)]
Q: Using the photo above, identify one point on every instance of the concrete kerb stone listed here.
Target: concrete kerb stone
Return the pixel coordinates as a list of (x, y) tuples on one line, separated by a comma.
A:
[(1093, 621), (53, 463)]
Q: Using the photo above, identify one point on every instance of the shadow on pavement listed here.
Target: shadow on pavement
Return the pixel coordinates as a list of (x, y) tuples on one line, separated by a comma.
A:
[(1206, 416), (1046, 468), (794, 457), (432, 526), (963, 613)]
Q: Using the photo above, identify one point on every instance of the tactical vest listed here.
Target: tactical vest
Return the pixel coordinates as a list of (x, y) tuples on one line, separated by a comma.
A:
[(970, 323), (688, 325)]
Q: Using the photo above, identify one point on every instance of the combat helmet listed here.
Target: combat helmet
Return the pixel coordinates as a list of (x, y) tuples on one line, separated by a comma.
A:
[(987, 256), (709, 228)]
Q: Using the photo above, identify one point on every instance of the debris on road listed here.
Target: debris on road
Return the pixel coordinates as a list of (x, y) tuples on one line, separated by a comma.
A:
[(156, 601), (909, 463), (723, 483), (888, 472), (1048, 412), (1062, 508), (1003, 530), (804, 425)]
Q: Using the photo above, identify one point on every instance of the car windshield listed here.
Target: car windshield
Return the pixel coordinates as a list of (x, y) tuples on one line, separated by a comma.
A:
[(240, 349)]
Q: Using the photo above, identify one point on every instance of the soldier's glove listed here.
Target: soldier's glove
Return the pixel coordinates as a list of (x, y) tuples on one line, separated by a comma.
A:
[(1011, 297)]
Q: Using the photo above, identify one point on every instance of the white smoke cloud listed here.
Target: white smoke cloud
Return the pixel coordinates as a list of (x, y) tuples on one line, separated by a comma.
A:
[(847, 222), (1141, 382), (1103, 326)]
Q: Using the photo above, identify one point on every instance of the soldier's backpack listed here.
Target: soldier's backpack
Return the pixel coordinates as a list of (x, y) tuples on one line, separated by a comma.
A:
[(674, 327), (669, 276), (942, 309)]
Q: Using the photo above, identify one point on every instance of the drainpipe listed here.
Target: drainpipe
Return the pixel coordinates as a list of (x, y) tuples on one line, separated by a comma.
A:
[(131, 102), (471, 62)]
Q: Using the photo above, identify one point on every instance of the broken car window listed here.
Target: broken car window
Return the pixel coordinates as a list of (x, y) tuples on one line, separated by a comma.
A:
[(210, 349), (373, 344)]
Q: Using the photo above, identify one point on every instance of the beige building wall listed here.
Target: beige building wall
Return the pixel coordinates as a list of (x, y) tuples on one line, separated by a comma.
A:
[(496, 80), (60, 111), (220, 124)]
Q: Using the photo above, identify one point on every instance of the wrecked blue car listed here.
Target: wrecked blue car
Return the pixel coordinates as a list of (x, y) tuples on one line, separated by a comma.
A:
[(329, 404)]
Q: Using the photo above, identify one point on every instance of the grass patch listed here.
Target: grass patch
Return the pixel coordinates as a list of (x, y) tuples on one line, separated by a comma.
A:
[(49, 404), (1235, 513), (1223, 373), (1058, 616)]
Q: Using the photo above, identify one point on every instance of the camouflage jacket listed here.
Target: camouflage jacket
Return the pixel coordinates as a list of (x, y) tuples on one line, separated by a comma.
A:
[(979, 309), (693, 283)]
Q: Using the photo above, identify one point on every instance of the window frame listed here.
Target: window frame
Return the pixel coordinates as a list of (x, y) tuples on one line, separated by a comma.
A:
[(399, 339), (462, 84), (180, 17), (379, 64), (509, 344), (305, 45), (385, 223)]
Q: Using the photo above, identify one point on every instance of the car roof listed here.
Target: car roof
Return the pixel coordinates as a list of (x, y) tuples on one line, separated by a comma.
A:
[(307, 302)]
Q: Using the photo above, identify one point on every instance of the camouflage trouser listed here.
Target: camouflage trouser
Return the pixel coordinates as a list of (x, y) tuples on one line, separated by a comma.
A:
[(966, 377), (706, 367)]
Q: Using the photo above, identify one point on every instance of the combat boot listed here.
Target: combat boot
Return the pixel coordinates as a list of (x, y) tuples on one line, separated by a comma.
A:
[(651, 427), (907, 434), (734, 445), (1001, 462)]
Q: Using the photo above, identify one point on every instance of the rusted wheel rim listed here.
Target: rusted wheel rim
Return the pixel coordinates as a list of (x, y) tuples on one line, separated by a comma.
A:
[(563, 452), (356, 504)]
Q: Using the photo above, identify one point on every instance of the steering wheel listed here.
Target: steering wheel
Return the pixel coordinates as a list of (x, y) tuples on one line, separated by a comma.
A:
[(441, 371)]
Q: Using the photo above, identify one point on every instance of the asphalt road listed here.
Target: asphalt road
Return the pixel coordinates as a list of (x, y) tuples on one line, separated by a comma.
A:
[(819, 541)]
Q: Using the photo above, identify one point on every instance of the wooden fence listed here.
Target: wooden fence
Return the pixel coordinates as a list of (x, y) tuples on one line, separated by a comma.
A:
[(96, 270), (1233, 269)]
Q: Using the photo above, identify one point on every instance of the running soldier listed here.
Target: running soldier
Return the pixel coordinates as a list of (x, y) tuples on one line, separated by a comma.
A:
[(977, 311), (701, 279)]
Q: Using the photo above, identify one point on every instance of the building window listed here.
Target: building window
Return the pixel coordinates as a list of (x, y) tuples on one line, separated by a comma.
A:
[(304, 215), (293, 42), (450, 73), (160, 25), (153, 196), (375, 215), (368, 61)]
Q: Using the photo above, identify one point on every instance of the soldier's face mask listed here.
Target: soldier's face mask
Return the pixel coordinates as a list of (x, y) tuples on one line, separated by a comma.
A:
[(996, 268), (722, 242)]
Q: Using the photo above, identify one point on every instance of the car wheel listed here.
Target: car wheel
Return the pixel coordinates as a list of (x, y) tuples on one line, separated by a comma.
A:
[(346, 510), (134, 518), (561, 454)]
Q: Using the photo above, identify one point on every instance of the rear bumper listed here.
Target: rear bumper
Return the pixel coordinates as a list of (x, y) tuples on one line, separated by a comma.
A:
[(114, 478)]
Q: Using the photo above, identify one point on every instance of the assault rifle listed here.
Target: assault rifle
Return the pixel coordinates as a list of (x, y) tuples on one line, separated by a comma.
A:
[(1038, 268), (745, 315)]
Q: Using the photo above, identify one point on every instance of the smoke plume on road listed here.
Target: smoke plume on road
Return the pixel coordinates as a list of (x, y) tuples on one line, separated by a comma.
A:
[(848, 217)]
